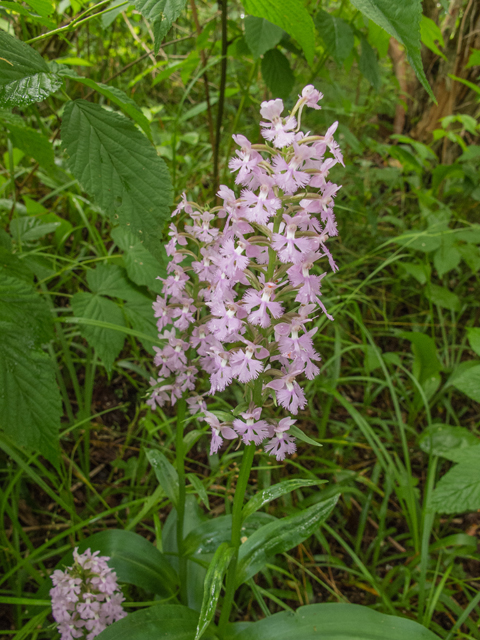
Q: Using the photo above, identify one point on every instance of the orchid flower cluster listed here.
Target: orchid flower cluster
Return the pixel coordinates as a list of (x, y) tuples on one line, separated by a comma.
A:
[(86, 597), (243, 281)]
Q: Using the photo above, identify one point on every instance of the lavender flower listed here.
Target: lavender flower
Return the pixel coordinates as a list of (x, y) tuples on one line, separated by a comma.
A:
[(243, 281), (86, 597)]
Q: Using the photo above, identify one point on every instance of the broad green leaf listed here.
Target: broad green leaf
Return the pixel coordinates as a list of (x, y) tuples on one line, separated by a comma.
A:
[(430, 33), (420, 240), (118, 97), (162, 13), (372, 359), (12, 266), (142, 267), (418, 271), (446, 441), (446, 258), (469, 383), (473, 334), (402, 21), (199, 487), (168, 622), (115, 10), (277, 73), (139, 314), (207, 537), (212, 587), (31, 142), (111, 280), (44, 8), (331, 622), (368, 65), (261, 35), (272, 493), (474, 59), (471, 255), (107, 343), (426, 365), (30, 402), (280, 536), (135, 560), (291, 16), (24, 75), (117, 165), (23, 308), (443, 297), (165, 472), (444, 171), (336, 34), (459, 489)]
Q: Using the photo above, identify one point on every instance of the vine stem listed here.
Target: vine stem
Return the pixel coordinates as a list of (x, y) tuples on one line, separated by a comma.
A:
[(237, 521), (180, 453)]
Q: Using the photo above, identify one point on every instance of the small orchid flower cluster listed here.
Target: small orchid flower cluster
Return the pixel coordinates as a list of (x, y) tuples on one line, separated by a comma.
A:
[(86, 597), (243, 284)]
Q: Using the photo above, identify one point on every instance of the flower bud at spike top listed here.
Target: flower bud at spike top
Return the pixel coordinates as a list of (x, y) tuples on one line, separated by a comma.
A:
[(86, 597), (243, 282)]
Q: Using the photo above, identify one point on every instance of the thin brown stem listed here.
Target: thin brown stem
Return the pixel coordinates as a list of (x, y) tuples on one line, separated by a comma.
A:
[(205, 77)]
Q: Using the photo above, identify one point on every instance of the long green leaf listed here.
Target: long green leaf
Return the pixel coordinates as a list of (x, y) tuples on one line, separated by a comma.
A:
[(24, 75), (165, 472), (213, 585), (272, 493), (402, 21), (280, 536), (331, 622)]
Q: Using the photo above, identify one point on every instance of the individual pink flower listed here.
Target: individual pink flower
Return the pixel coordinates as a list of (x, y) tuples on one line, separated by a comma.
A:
[(247, 159), (289, 247), (311, 96), (288, 392), (261, 207), (278, 130), (253, 429), (244, 366), (282, 443), (219, 431), (263, 300)]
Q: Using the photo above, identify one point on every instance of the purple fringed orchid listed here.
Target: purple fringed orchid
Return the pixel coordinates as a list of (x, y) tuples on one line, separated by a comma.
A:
[(244, 280)]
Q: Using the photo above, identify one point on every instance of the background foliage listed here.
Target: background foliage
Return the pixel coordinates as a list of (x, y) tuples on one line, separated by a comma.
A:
[(109, 111)]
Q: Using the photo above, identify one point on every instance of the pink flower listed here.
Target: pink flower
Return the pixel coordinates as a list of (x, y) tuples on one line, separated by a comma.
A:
[(262, 300), (245, 368), (311, 96), (282, 443), (219, 431), (289, 247), (264, 205), (278, 130), (247, 159), (288, 391), (254, 429)]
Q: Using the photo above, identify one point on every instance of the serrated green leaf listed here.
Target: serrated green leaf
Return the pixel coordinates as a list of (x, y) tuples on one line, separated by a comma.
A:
[(165, 472), (44, 8), (162, 13), (402, 21), (107, 343), (474, 339), (171, 622), (30, 402), (272, 493), (331, 622), (142, 267), (23, 308), (140, 317), (120, 98), (277, 73), (212, 586), (291, 16), (368, 65), (24, 75), (111, 280), (261, 35), (443, 297), (469, 383), (12, 266), (459, 489), (443, 440), (471, 254), (336, 34), (117, 165), (280, 536)]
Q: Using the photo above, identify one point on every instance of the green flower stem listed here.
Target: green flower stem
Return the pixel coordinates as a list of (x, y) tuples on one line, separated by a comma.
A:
[(237, 522), (180, 451)]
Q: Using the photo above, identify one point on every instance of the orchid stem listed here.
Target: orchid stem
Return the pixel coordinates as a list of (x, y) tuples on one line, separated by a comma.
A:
[(237, 521), (180, 450)]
